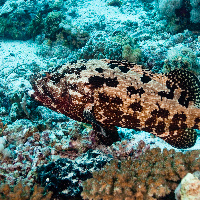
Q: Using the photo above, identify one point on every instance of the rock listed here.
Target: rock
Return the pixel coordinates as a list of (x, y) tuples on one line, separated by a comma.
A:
[(189, 188)]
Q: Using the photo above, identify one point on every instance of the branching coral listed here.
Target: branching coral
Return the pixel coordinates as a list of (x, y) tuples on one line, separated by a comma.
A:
[(21, 192), (152, 176)]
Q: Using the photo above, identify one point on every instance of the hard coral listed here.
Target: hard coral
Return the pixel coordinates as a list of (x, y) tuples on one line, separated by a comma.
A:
[(100, 46), (154, 175), (21, 192), (115, 3), (52, 22)]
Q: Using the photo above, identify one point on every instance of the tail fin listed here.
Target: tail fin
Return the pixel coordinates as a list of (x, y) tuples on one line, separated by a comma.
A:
[(189, 84), (182, 138)]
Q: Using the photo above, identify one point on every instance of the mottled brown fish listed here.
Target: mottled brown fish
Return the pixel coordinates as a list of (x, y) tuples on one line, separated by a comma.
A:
[(109, 93)]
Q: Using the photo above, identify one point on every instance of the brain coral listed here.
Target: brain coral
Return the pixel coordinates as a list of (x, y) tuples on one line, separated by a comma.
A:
[(153, 176)]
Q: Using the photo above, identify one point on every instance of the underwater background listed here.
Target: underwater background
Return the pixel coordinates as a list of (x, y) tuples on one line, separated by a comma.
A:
[(46, 155)]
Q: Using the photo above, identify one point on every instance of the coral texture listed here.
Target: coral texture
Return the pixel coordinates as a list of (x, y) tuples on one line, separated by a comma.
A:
[(168, 8), (100, 46), (195, 12), (180, 9), (183, 58), (21, 192), (152, 176), (64, 177), (132, 55)]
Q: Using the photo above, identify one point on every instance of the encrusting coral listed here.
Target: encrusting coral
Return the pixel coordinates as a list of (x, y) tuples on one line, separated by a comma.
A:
[(154, 175), (21, 192)]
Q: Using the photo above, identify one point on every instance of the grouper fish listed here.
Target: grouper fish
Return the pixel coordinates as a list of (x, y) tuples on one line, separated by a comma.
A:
[(110, 93)]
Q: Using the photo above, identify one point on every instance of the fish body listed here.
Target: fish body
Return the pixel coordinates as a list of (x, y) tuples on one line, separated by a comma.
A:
[(112, 93)]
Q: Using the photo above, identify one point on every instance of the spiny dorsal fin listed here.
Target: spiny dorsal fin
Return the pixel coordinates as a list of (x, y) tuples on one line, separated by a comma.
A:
[(189, 85)]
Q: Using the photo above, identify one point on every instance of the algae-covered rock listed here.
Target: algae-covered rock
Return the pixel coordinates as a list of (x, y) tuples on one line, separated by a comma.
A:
[(64, 177), (190, 187), (51, 26), (132, 55)]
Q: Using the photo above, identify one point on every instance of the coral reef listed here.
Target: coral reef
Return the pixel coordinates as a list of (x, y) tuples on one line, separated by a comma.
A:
[(168, 8), (132, 55), (51, 25), (4, 101), (24, 145), (2, 127), (32, 135), (80, 138), (195, 12), (36, 25), (64, 177), (14, 20), (181, 57), (27, 19), (125, 149), (18, 108), (158, 54), (153, 175), (100, 46), (22, 192), (22, 149), (180, 13)]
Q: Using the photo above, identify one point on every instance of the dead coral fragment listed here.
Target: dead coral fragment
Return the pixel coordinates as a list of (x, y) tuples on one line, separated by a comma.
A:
[(20, 192), (154, 175)]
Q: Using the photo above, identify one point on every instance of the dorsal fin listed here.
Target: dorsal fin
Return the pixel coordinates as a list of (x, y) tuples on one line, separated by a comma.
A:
[(189, 84)]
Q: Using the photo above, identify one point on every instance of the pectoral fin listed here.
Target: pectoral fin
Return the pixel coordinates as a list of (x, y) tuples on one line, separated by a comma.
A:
[(106, 134)]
